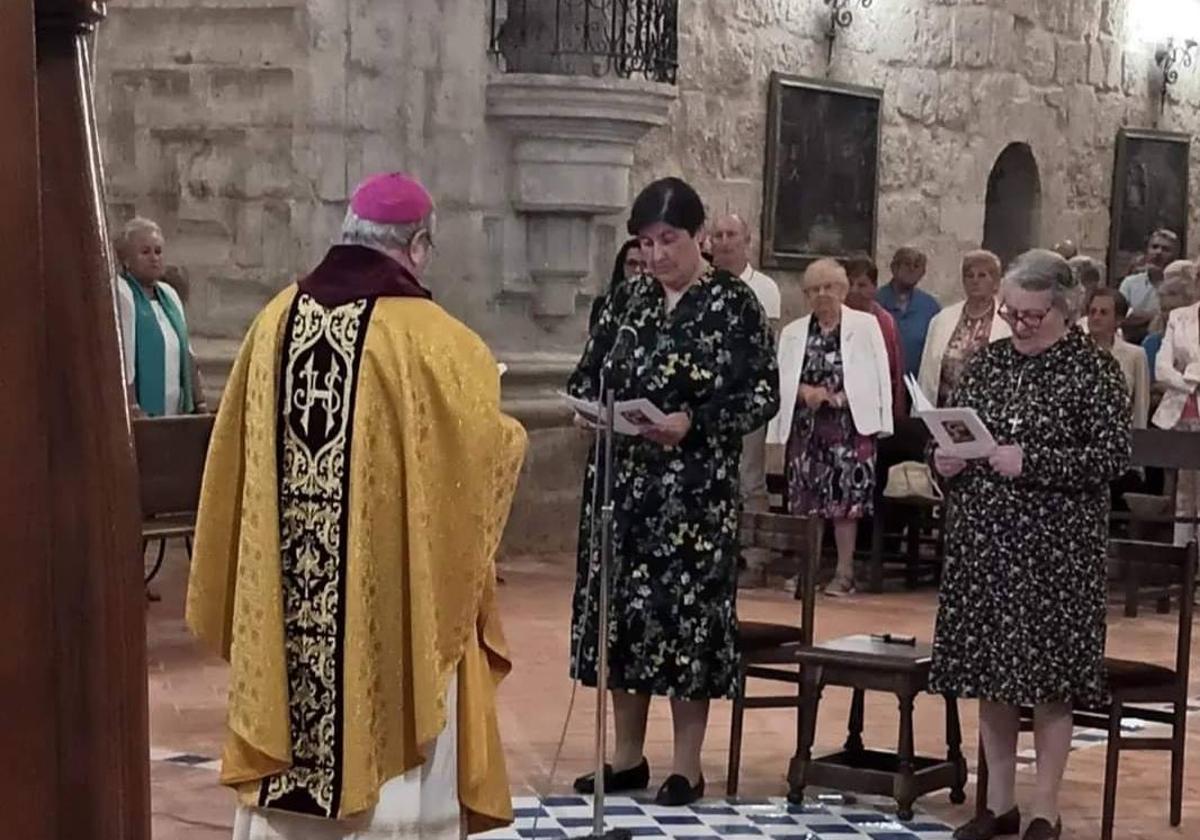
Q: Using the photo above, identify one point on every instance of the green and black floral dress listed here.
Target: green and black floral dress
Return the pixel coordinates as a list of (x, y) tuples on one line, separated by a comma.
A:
[(672, 627)]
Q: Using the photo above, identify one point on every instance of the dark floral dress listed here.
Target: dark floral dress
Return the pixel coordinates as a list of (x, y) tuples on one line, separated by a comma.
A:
[(830, 466), (1021, 616), (672, 627)]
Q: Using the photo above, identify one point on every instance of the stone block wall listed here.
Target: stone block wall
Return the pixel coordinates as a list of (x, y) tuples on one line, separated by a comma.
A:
[(241, 125), (962, 79)]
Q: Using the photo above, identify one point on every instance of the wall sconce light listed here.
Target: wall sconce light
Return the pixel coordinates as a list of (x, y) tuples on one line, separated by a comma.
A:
[(1170, 57), (841, 16)]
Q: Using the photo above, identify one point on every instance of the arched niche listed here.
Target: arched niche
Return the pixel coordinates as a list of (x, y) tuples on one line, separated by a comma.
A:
[(1013, 206)]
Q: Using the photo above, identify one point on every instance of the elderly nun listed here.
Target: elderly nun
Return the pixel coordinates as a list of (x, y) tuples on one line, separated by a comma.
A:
[(1021, 618)]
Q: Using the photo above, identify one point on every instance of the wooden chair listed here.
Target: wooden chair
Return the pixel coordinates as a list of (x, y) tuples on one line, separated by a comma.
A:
[(171, 452), (1133, 685), (767, 649), (1167, 450)]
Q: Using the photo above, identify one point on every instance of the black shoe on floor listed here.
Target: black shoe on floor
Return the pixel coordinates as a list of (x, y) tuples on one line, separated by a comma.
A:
[(635, 778), (1040, 829), (987, 825), (677, 791)]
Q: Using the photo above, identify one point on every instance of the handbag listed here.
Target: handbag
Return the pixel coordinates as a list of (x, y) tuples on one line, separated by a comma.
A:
[(912, 480)]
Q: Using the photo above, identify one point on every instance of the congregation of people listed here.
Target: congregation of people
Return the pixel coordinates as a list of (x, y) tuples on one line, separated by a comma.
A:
[(308, 489), (1058, 363)]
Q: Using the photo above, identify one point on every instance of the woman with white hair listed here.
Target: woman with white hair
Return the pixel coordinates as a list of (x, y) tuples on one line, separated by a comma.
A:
[(835, 400), (1177, 373), (1021, 617), (161, 377), (959, 331)]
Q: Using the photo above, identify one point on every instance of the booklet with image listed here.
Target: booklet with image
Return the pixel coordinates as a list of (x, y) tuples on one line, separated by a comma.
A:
[(958, 431), (630, 416)]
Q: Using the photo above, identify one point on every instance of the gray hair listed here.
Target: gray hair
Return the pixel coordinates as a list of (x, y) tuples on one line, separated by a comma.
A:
[(136, 225), (1088, 272), (1040, 270), (359, 231), (1184, 270)]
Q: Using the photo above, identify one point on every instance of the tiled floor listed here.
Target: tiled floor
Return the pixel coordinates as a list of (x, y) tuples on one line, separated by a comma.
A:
[(187, 697)]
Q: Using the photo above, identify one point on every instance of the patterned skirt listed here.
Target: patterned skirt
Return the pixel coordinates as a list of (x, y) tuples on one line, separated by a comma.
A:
[(830, 466)]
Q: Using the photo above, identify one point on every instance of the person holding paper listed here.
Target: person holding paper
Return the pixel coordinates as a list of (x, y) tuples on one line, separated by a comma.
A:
[(957, 332), (1021, 615), (836, 398), (694, 341), (1178, 371)]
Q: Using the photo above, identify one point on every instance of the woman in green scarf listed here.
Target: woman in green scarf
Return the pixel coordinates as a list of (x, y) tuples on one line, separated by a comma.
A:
[(160, 370)]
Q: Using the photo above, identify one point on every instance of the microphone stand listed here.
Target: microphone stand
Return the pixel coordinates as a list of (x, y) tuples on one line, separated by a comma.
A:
[(604, 462)]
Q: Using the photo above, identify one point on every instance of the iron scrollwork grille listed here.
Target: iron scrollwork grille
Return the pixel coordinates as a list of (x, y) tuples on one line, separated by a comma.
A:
[(623, 38)]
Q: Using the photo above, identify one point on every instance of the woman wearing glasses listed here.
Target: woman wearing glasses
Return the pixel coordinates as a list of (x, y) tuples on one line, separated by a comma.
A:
[(1021, 615), (835, 400)]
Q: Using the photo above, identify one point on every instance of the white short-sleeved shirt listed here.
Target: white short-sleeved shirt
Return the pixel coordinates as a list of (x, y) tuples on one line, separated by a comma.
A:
[(765, 289), (1140, 293), (172, 353)]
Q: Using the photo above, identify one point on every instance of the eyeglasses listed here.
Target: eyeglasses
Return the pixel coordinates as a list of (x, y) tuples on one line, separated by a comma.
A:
[(1031, 318)]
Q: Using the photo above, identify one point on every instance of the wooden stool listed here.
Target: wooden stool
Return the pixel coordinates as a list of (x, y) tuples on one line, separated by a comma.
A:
[(865, 663)]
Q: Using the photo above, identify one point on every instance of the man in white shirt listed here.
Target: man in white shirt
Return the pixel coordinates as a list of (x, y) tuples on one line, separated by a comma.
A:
[(730, 238)]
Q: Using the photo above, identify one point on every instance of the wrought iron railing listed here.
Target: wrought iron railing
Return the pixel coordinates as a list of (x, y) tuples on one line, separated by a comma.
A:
[(624, 38)]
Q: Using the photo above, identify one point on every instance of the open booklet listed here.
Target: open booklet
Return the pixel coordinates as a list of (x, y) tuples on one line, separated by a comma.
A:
[(629, 416), (958, 431)]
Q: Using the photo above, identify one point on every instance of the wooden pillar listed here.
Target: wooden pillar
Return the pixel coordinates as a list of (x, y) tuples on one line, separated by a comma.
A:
[(73, 728)]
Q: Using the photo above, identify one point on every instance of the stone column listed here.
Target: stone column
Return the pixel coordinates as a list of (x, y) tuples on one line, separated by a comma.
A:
[(573, 141)]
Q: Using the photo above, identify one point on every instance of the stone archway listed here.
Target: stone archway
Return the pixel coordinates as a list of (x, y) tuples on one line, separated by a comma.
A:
[(1014, 198)]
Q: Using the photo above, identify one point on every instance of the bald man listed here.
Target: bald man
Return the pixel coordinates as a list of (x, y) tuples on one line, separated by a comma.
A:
[(730, 237)]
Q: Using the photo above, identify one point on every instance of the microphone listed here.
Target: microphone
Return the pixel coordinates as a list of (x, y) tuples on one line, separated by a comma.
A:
[(626, 340)]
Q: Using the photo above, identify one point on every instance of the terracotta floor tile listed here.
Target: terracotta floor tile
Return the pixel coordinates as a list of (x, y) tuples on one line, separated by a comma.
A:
[(187, 697)]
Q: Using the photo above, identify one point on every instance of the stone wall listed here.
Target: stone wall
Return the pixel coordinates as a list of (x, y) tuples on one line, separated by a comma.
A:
[(961, 81), (241, 125)]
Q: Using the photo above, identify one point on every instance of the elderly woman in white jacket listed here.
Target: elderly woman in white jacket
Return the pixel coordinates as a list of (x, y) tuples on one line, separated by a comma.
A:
[(959, 331), (1177, 370), (835, 400)]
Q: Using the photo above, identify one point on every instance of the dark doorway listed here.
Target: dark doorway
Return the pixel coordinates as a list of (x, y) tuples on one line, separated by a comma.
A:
[(1014, 198)]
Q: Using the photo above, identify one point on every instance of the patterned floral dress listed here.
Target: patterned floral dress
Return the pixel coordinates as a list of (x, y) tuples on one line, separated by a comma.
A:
[(1021, 616), (673, 627), (830, 466), (970, 334)]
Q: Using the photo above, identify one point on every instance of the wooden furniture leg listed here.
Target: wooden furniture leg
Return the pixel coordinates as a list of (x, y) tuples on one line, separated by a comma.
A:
[(905, 789), (811, 682)]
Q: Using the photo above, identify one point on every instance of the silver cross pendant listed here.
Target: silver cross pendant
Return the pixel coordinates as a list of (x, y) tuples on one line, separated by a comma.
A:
[(1014, 425)]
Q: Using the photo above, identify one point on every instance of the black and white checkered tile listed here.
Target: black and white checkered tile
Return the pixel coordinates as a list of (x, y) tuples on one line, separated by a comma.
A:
[(557, 818), (562, 817)]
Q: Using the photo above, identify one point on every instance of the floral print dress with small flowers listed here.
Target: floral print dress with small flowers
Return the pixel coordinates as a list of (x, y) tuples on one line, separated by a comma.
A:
[(1021, 612), (830, 466), (672, 625)]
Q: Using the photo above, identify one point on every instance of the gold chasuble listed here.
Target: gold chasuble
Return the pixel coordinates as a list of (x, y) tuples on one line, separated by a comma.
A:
[(359, 478)]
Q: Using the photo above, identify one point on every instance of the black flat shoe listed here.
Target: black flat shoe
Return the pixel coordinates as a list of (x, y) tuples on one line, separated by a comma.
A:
[(635, 778), (1040, 829), (677, 791), (987, 825)]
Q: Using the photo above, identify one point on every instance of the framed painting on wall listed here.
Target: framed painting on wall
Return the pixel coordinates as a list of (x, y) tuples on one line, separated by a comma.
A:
[(820, 183), (1150, 191)]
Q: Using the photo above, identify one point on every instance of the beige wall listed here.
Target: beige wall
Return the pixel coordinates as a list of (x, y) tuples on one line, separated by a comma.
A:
[(961, 81), (241, 125)]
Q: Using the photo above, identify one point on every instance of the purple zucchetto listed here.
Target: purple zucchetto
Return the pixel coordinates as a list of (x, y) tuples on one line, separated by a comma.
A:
[(391, 198)]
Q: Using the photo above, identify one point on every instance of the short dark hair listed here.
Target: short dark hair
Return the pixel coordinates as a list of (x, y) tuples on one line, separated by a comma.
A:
[(668, 200), (857, 265), (1120, 304)]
